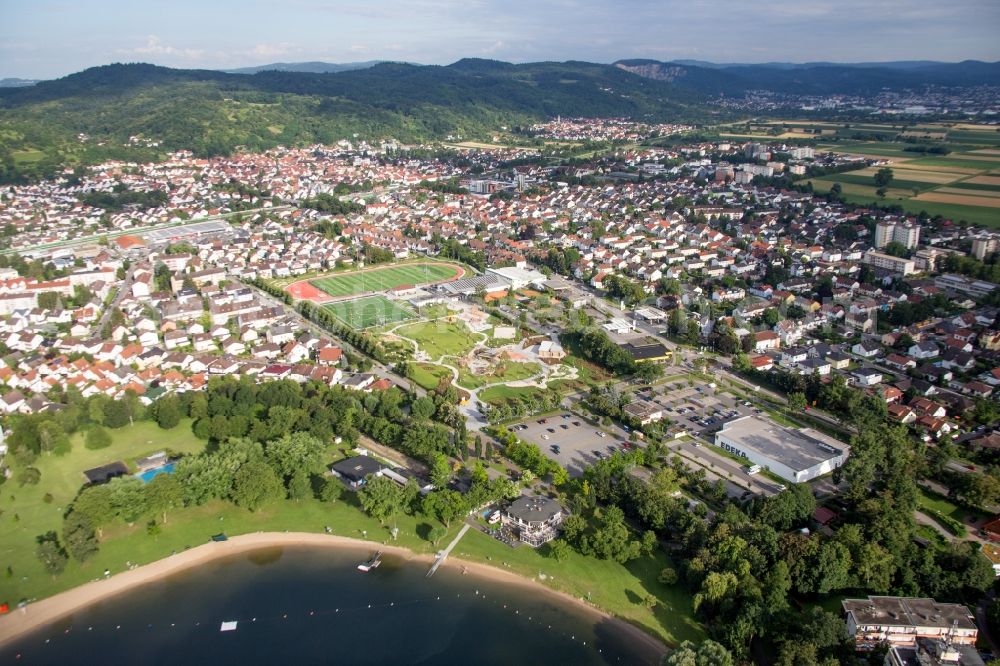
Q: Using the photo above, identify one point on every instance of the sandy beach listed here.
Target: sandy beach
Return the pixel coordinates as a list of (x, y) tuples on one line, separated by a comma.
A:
[(38, 614)]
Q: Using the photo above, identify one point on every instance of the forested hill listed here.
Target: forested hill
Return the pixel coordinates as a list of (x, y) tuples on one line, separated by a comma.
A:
[(213, 112)]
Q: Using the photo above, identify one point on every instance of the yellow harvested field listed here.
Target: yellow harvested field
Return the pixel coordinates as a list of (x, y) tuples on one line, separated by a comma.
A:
[(985, 151), (904, 173), (984, 180), (959, 190), (784, 135), (972, 127), (891, 159), (959, 199)]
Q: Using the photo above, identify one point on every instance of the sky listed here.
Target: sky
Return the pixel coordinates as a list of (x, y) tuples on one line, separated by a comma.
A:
[(51, 38)]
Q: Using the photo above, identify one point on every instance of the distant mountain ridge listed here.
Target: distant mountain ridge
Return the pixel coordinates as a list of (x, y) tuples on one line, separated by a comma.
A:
[(17, 83), (814, 78), (312, 67)]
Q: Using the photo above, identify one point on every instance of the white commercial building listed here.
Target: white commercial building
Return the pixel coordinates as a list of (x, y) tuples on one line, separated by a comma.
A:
[(890, 263), (799, 454), (519, 278), (906, 233)]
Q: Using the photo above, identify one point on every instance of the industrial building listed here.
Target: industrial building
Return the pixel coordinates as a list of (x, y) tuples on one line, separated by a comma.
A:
[(795, 454)]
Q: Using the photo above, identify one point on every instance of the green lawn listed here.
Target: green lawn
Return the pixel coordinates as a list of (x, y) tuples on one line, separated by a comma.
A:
[(382, 279), (501, 393), (369, 311), (935, 502), (24, 514), (428, 375), (507, 371), (441, 338), (614, 587)]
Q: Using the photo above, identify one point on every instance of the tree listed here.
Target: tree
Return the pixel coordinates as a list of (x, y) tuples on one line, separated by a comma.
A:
[(668, 576), (797, 401), (708, 653), (51, 554), (381, 498), (445, 505), (332, 490), (440, 471), (788, 508), (95, 503), (79, 536), (163, 493), (896, 249), (167, 411), (97, 437), (437, 533), (256, 484), (298, 451), (52, 437), (611, 541), (422, 408), (883, 177), (299, 487), (558, 550)]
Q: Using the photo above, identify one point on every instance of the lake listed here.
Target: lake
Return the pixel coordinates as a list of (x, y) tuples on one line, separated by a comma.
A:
[(310, 605)]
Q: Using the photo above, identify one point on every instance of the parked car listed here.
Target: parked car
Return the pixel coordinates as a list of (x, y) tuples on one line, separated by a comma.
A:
[(545, 436), (601, 433)]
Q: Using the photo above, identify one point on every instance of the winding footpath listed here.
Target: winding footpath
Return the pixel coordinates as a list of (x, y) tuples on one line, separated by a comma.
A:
[(477, 421)]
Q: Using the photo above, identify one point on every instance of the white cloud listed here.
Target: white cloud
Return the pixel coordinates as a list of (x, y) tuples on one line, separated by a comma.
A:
[(155, 47)]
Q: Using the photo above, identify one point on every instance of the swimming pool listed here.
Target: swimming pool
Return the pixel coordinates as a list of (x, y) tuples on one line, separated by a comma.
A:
[(148, 475)]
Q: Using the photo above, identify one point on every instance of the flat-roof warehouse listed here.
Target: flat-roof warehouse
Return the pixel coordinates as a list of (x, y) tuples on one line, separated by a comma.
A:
[(796, 454)]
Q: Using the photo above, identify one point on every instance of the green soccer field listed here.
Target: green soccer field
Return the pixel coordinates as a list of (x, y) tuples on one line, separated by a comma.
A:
[(382, 279), (370, 311)]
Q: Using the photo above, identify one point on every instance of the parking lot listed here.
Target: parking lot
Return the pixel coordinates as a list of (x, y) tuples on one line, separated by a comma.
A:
[(571, 440), (701, 411)]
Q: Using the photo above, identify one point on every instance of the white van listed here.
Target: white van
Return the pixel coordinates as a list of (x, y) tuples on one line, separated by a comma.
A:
[(751, 469)]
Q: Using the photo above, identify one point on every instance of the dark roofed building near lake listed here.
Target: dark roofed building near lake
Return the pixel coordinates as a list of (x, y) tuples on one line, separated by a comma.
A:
[(354, 471), (535, 520)]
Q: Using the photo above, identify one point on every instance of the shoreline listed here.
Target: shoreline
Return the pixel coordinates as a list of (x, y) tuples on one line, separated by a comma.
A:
[(34, 616)]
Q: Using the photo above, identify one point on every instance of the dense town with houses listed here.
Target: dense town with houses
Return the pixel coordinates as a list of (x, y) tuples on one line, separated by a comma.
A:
[(700, 250)]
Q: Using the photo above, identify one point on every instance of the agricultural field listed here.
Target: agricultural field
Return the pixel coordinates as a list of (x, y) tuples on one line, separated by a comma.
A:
[(961, 185), (387, 277), (369, 311)]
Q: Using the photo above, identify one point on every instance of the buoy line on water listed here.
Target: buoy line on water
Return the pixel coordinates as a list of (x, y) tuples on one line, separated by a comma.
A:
[(312, 614)]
